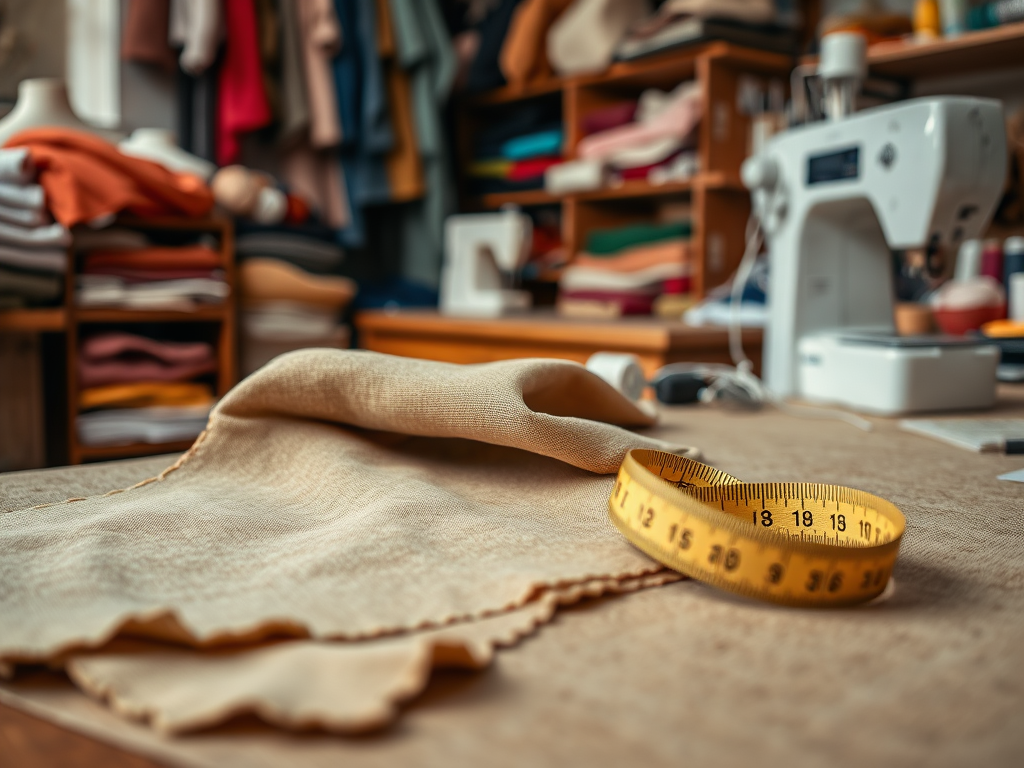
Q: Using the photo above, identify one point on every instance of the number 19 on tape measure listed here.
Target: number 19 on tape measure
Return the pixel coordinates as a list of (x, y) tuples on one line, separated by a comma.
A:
[(801, 544)]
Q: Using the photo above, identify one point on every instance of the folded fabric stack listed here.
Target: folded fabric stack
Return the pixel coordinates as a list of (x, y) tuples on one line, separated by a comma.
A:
[(513, 152), (624, 270), (33, 249), (136, 389), (130, 273), (311, 247), (652, 139), (286, 308)]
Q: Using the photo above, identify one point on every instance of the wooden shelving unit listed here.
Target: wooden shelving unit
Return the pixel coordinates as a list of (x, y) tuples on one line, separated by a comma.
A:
[(979, 51), (222, 318), (719, 202), (41, 320)]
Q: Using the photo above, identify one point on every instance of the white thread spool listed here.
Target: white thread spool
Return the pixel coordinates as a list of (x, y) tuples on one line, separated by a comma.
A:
[(968, 260), (621, 370), (1015, 291)]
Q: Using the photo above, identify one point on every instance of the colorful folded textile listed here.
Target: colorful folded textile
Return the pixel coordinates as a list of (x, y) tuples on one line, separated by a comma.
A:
[(531, 169), (675, 115), (302, 250), (576, 278), (36, 260), (114, 343), (86, 178), (609, 117), (154, 257), (605, 303), (532, 145), (45, 235), (25, 196), (265, 280), (24, 217), (109, 238), (93, 373), (16, 166), (153, 425), (142, 394), (606, 241), (32, 288), (182, 295), (497, 168), (638, 257), (152, 275)]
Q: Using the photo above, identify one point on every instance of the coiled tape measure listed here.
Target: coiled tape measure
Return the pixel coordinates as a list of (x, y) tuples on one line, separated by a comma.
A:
[(801, 544)]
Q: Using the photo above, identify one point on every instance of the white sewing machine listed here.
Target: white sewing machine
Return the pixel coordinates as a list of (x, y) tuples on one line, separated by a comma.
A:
[(833, 198), (482, 252)]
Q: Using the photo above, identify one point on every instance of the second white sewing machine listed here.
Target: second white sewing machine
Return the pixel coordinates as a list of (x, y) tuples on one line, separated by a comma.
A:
[(834, 197)]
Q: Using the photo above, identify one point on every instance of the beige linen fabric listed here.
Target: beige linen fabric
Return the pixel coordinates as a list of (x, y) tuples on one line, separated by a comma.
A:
[(335, 494)]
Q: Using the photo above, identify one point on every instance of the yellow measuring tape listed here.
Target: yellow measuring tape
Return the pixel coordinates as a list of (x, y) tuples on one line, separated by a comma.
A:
[(800, 544)]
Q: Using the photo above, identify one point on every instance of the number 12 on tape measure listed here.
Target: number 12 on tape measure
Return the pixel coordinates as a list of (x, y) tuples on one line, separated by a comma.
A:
[(801, 544)]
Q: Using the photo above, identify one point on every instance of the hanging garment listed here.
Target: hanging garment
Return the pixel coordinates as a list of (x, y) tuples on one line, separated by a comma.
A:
[(144, 36), (295, 114), (404, 165), (317, 177), (86, 178), (469, 492), (321, 40), (484, 72), (362, 97), (523, 56), (197, 27), (425, 52), (242, 102)]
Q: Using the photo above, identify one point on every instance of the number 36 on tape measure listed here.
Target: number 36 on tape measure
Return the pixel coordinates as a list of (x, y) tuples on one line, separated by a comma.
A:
[(800, 544)]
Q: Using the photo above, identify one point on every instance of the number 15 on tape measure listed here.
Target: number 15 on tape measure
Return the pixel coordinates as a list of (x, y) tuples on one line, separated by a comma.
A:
[(802, 544)]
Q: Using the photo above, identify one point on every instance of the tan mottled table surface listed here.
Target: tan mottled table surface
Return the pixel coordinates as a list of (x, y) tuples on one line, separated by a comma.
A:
[(680, 674)]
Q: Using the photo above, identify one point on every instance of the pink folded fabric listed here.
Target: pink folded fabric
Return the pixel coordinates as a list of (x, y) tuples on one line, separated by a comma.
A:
[(95, 373), (104, 346), (638, 257), (677, 120)]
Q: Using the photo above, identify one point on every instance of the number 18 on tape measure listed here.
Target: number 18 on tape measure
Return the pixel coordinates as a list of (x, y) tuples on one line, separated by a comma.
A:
[(802, 544)]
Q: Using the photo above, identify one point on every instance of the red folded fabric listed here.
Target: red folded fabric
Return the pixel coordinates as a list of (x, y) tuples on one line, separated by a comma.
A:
[(104, 346), (641, 171), (609, 117), (93, 373), (630, 302), (86, 178), (198, 257), (523, 170)]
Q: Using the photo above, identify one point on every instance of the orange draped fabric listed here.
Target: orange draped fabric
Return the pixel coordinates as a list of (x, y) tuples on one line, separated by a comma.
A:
[(87, 178)]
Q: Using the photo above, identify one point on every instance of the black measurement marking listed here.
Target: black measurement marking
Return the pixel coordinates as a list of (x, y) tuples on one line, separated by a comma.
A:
[(648, 518), (732, 560), (835, 581), (865, 529), (715, 555), (624, 497), (686, 539), (806, 518), (838, 523), (775, 571), (813, 581)]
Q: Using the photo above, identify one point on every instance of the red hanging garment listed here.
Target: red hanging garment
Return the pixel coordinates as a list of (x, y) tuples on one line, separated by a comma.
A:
[(242, 102)]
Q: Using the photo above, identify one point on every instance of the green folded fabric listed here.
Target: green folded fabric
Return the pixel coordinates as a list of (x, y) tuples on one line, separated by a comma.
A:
[(605, 242)]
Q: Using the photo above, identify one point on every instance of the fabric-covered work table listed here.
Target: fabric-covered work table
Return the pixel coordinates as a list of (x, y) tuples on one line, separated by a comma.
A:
[(681, 672)]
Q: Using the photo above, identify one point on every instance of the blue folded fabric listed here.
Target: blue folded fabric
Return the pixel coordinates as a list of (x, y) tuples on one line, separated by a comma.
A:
[(541, 144)]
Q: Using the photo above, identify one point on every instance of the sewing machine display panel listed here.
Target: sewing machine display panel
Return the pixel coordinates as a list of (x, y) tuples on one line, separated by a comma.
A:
[(834, 166)]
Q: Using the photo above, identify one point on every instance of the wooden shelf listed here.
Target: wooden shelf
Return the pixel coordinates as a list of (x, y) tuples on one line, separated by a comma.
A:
[(982, 50), (116, 315), (94, 452), (526, 197), (663, 70), (632, 188), (211, 223), (41, 320)]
